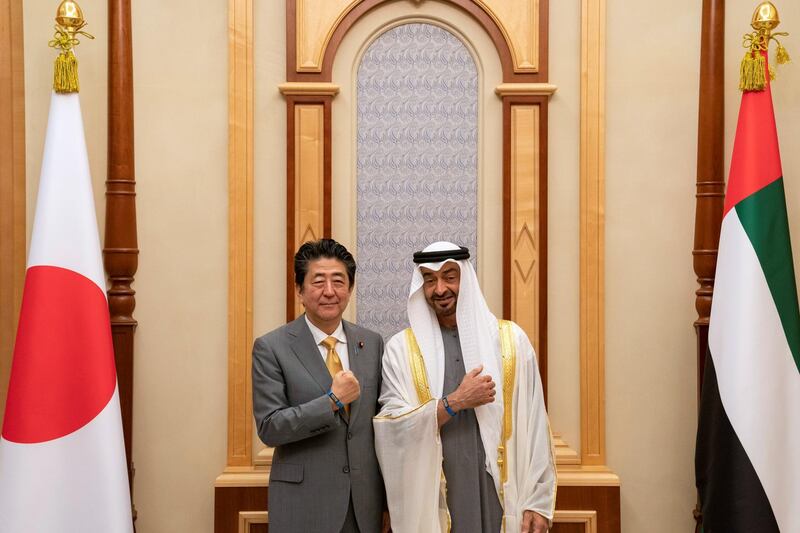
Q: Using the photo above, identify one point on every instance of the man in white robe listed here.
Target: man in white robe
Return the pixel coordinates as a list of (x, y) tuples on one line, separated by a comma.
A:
[(453, 334)]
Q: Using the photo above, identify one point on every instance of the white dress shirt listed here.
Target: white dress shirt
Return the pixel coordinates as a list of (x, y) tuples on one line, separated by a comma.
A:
[(341, 345)]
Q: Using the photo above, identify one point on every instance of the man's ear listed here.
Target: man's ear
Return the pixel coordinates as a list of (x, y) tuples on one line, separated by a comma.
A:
[(298, 289)]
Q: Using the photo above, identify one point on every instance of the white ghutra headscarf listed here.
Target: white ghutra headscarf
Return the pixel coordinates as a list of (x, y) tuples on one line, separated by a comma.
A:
[(478, 334)]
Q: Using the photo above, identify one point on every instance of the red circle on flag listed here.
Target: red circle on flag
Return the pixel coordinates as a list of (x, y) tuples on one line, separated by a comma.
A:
[(63, 372)]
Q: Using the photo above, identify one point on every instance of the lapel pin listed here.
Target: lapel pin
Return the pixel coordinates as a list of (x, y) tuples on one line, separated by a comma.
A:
[(360, 344)]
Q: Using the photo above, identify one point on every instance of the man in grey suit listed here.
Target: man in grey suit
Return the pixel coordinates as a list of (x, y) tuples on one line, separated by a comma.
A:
[(316, 382)]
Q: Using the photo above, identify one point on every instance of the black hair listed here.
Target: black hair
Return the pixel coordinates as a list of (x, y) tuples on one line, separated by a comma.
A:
[(327, 248)]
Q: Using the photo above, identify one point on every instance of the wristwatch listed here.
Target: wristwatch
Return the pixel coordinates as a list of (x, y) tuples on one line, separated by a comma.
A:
[(447, 407)]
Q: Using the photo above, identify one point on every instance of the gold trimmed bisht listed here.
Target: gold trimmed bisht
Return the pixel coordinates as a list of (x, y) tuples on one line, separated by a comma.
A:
[(509, 355)]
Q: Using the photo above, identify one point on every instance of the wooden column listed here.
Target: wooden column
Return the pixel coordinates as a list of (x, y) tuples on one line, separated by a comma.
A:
[(710, 167), (710, 193), (121, 250), (12, 184)]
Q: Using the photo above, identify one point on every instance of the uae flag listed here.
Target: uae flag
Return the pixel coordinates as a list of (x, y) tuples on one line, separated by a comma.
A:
[(62, 455), (748, 439)]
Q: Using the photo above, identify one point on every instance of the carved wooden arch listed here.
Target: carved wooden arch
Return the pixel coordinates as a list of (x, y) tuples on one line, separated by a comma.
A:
[(586, 485), (474, 8), (524, 150)]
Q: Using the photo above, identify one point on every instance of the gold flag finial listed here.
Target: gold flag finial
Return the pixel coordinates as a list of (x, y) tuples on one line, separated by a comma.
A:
[(765, 17), (69, 24), (752, 73)]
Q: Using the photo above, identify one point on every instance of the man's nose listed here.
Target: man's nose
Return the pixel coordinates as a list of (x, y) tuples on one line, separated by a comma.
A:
[(327, 288), (440, 288)]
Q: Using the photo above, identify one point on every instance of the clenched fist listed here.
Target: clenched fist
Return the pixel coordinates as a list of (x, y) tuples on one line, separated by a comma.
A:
[(345, 387), (473, 391)]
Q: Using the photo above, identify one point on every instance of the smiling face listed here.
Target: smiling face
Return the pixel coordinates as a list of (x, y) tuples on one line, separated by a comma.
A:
[(325, 292), (441, 291)]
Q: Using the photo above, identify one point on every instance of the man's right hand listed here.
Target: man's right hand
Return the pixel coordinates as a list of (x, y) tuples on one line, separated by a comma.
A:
[(345, 387), (474, 390)]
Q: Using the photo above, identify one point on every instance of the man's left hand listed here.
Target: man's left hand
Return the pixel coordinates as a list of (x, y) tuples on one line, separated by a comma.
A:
[(533, 522)]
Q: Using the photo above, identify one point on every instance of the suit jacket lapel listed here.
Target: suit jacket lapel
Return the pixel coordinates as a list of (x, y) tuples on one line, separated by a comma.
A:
[(357, 362), (307, 352)]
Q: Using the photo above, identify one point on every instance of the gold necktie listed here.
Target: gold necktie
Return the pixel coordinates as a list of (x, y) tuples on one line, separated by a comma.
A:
[(332, 361)]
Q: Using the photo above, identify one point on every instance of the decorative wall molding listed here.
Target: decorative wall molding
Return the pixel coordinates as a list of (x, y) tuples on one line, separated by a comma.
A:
[(592, 231), (242, 476), (308, 187), (586, 476), (587, 518), (564, 454), (525, 89), (240, 205), (309, 173), (316, 21), (12, 184), (315, 28), (519, 23), (525, 219), (309, 88), (524, 205), (248, 518), (264, 457)]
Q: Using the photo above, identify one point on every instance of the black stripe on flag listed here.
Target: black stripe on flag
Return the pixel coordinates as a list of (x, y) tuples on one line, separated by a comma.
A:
[(731, 495)]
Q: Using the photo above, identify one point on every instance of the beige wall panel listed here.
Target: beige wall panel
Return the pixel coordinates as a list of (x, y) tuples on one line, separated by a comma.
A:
[(269, 202), (525, 237), (519, 22), (490, 114), (651, 151), (563, 223), (181, 344), (316, 21)]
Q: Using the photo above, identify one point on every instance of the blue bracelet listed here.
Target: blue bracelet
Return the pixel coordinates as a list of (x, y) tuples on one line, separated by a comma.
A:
[(447, 407), (332, 396)]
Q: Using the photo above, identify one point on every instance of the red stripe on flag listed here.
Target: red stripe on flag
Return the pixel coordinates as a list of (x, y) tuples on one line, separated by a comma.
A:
[(63, 372), (756, 159)]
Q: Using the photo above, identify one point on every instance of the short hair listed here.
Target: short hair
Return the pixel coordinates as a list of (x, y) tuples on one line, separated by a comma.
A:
[(327, 248)]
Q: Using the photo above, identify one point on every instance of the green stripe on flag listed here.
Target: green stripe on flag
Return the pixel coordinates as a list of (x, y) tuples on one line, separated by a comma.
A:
[(763, 216)]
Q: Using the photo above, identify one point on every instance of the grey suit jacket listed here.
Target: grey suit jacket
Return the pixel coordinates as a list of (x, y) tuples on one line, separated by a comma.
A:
[(321, 457)]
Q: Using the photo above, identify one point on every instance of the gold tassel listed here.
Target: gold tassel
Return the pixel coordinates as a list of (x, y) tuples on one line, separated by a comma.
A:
[(782, 56), (751, 72), (65, 74)]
